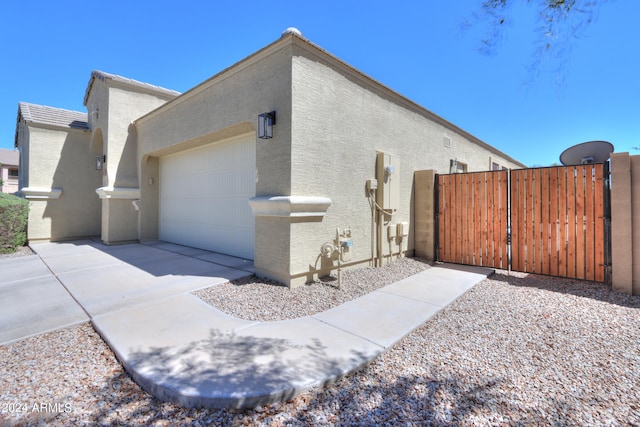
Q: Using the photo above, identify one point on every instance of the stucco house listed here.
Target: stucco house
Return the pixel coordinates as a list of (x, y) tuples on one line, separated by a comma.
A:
[(9, 162), (289, 157)]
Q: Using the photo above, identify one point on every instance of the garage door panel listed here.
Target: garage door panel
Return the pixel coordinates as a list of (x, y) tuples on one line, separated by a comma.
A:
[(204, 197)]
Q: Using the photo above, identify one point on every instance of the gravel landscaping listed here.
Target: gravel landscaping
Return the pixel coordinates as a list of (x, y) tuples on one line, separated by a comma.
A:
[(266, 301), (517, 349)]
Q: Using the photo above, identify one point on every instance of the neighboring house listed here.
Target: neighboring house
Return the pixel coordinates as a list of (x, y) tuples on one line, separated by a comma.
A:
[(9, 162), (191, 168)]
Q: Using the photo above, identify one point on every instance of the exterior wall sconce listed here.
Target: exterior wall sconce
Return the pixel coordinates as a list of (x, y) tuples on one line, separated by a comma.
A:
[(265, 125), (100, 161)]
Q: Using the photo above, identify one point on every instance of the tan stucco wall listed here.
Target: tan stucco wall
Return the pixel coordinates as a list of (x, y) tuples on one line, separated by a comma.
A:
[(331, 123), (625, 223), (341, 120), (230, 100), (117, 107), (22, 143), (62, 160), (228, 105)]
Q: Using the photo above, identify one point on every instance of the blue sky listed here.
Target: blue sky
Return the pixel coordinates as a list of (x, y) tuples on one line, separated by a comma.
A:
[(418, 49)]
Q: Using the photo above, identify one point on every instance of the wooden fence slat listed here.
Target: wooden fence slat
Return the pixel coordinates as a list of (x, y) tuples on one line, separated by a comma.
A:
[(458, 224), (562, 222), (544, 221), (504, 216), (590, 232), (484, 222), (496, 220), (571, 222), (491, 213), (463, 225), (536, 223), (446, 214), (522, 242), (445, 236), (476, 220), (451, 218), (529, 247), (599, 217), (441, 218), (553, 221), (469, 220), (513, 176), (580, 222)]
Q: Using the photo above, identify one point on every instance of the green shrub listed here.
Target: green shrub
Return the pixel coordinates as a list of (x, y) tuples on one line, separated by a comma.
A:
[(14, 212)]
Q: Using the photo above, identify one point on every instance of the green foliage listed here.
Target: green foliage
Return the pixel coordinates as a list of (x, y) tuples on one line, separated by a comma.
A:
[(14, 212)]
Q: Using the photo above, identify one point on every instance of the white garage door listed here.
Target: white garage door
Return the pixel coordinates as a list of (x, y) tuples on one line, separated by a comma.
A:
[(204, 197)]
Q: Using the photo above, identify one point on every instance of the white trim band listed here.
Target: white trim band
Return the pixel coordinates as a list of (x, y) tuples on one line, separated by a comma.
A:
[(290, 206), (118, 193), (41, 193)]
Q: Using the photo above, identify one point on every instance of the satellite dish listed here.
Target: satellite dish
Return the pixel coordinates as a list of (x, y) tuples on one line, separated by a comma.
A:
[(587, 152)]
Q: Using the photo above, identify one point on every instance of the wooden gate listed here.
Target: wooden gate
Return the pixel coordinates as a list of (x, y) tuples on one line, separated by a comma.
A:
[(473, 218), (547, 220)]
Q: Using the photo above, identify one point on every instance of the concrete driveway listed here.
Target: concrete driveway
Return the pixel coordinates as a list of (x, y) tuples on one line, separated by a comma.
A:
[(70, 283), (181, 349)]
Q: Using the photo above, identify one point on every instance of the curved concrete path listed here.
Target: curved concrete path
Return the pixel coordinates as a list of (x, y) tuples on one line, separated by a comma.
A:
[(180, 349)]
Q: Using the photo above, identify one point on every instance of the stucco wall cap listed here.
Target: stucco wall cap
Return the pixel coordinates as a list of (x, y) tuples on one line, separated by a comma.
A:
[(41, 193), (290, 206), (292, 30), (129, 83), (118, 193)]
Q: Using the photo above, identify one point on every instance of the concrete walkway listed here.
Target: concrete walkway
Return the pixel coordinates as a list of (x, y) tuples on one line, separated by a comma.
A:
[(181, 349)]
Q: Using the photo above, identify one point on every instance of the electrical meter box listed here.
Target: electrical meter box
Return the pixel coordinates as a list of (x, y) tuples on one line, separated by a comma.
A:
[(391, 231), (403, 229), (388, 177)]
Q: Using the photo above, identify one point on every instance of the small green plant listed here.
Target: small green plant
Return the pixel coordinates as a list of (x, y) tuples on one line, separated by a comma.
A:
[(14, 212)]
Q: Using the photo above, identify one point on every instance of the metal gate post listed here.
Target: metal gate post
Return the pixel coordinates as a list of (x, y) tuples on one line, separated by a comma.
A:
[(436, 210), (509, 221), (606, 183)]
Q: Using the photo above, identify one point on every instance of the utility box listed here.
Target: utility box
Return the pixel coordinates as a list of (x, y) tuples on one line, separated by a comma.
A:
[(403, 229), (388, 177), (391, 231)]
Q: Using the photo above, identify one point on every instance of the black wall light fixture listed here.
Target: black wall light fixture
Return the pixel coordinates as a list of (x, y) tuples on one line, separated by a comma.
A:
[(265, 125), (100, 161)]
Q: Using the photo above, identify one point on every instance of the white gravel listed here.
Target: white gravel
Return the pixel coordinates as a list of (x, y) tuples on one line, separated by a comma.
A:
[(263, 300), (515, 350)]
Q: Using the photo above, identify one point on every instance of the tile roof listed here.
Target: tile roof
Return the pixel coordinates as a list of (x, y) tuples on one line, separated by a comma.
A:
[(52, 116), (9, 157), (102, 76)]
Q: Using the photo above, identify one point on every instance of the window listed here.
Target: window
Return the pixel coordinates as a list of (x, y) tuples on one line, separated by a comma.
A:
[(13, 174), (457, 166), (495, 166)]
